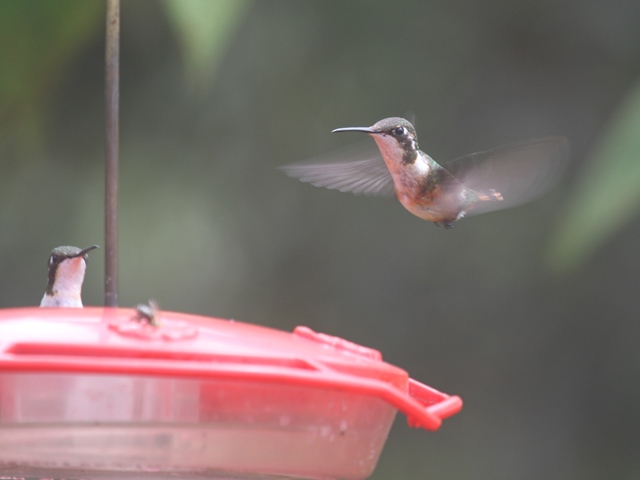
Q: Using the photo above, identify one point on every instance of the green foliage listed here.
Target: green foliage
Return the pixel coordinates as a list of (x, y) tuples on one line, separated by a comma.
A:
[(37, 42), (608, 193), (204, 28), (40, 39)]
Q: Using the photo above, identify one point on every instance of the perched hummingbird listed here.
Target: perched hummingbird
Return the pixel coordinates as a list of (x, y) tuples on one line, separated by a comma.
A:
[(443, 194), (66, 274)]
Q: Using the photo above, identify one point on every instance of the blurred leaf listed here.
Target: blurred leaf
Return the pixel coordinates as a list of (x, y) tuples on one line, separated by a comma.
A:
[(204, 28), (37, 41), (608, 195)]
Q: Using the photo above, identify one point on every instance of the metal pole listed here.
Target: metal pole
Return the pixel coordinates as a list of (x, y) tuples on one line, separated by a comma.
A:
[(111, 154)]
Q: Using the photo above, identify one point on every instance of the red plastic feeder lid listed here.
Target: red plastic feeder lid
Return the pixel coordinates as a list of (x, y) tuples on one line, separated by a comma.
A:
[(97, 390)]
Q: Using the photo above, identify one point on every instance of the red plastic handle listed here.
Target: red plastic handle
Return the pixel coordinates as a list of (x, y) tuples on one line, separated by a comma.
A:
[(438, 405)]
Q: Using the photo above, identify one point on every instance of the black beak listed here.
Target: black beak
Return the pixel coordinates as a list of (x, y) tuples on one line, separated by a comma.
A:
[(354, 129), (83, 252)]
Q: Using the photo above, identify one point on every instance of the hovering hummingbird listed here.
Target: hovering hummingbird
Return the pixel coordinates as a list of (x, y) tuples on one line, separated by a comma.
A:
[(66, 274), (481, 182)]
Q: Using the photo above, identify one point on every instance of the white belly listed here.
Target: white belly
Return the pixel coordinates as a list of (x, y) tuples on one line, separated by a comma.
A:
[(73, 301)]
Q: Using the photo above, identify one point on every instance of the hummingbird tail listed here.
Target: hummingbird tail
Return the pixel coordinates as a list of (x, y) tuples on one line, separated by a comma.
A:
[(490, 195)]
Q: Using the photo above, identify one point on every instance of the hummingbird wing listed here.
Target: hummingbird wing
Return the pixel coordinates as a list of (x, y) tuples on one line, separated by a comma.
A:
[(519, 172), (360, 171)]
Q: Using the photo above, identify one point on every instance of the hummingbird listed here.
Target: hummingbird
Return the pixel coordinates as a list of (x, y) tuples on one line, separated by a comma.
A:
[(66, 274), (443, 194)]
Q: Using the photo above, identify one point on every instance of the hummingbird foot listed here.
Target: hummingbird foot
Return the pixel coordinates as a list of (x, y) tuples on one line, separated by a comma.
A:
[(446, 224)]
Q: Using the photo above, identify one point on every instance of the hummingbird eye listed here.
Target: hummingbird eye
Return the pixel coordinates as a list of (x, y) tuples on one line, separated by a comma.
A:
[(399, 131)]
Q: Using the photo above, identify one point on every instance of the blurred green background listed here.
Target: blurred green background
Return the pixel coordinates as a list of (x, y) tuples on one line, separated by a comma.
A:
[(529, 314)]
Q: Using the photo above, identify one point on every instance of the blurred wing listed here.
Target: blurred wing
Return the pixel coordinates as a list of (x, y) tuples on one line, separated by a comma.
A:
[(520, 172), (357, 170)]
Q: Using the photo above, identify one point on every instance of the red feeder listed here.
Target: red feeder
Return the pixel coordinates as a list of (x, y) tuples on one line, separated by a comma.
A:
[(92, 392)]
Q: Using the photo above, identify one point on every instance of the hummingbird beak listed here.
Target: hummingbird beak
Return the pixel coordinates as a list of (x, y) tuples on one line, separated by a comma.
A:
[(354, 129), (83, 252)]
